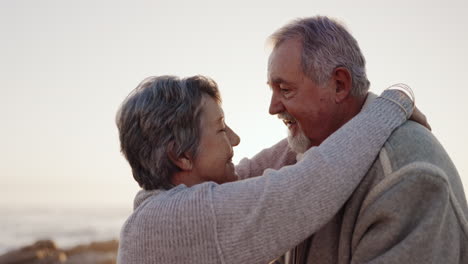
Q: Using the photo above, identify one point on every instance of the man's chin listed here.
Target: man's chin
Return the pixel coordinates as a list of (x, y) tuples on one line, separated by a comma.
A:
[(299, 143)]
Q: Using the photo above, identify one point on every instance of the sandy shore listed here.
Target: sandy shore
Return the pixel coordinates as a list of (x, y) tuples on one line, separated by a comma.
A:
[(46, 252)]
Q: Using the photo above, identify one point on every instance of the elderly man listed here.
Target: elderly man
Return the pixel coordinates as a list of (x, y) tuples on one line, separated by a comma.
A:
[(410, 207)]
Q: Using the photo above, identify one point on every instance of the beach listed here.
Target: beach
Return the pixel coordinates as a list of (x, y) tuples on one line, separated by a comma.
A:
[(60, 233)]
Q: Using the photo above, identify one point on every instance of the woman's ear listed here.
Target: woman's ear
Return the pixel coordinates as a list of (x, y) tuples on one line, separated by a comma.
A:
[(184, 161)]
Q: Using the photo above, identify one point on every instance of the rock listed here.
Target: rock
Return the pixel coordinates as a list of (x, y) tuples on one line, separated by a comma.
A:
[(92, 258), (46, 252), (96, 253), (43, 251), (104, 246)]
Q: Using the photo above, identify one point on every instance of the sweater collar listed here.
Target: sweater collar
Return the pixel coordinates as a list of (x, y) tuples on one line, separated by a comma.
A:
[(142, 195), (369, 99)]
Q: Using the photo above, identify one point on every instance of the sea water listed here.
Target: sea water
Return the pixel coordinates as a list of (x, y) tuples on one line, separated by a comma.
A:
[(67, 227)]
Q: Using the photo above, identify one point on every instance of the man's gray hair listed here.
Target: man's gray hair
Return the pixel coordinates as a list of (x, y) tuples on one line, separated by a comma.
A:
[(326, 46), (159, 118)]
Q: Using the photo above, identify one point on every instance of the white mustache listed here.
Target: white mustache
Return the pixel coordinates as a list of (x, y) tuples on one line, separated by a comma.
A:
[(286, 116)]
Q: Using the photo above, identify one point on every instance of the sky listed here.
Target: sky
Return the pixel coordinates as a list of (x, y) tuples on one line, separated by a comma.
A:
[(65, 67)]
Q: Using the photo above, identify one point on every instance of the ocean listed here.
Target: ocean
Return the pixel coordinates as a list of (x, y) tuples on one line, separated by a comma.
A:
[(68, 227)]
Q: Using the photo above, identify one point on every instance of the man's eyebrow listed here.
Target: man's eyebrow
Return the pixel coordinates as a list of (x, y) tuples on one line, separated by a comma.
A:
[(277, 81)]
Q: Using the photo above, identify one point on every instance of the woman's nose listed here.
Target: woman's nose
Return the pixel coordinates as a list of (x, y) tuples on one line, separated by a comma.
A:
[(233, 137)]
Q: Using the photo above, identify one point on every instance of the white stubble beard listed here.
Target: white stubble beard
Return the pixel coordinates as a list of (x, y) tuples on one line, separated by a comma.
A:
[(299, 143)]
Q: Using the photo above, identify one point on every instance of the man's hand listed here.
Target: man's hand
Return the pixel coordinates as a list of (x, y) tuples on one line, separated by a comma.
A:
[(419, 117)]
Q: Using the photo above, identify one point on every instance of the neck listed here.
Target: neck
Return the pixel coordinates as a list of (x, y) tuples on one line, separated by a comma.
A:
[(185, 177), (348, 109), (353, 106)]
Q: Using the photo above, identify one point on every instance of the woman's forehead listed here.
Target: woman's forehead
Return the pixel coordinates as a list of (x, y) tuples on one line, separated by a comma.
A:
[(211, 110)]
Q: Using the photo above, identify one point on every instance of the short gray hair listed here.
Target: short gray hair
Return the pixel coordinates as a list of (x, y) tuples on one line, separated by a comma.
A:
[(326, 46), (158, 118)]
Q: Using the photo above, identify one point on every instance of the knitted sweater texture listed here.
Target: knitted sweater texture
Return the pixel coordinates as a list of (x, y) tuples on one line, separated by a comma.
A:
[(258, 219), (410, 207)]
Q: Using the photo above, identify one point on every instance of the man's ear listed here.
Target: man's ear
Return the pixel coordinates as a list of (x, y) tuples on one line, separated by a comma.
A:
[(343, 81), (184, 161)]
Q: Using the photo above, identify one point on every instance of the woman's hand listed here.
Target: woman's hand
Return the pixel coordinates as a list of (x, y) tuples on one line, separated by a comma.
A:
[(419, 117)]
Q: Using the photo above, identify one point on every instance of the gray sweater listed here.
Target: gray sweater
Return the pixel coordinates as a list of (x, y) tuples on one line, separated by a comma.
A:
[(258, 219), (409, 208)]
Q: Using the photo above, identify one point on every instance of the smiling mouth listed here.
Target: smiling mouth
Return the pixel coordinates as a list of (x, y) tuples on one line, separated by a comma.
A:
[(289, 122), (230, 158)]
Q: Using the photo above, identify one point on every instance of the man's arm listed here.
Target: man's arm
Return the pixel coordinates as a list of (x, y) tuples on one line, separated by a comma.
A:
[(410, 218), (275, 157)]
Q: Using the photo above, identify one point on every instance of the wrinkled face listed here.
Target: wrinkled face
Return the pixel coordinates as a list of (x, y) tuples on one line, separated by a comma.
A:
[(308, 110), (214, 159)]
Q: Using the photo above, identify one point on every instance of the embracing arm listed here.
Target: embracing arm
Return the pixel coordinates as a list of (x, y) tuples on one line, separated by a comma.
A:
[(259, 219), (275, 157)]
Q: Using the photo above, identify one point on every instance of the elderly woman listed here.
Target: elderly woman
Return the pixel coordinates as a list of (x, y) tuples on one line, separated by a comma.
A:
[(191, 209)]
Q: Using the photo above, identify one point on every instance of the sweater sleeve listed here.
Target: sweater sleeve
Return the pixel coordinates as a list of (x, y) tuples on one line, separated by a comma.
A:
[(258, 219), (411, 220), (275, 157)]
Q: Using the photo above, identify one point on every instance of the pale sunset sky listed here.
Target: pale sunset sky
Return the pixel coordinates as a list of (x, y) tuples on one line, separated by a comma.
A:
[(65, 66)]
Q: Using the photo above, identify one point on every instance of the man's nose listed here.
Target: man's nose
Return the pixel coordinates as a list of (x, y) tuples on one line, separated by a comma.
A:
[(276, 106)]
